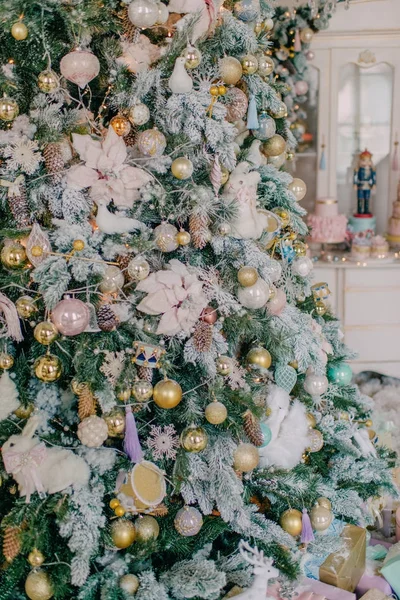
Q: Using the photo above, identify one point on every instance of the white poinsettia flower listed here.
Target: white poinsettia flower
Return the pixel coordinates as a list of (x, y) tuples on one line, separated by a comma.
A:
[(23, 155), (176, 294), (105, 171)]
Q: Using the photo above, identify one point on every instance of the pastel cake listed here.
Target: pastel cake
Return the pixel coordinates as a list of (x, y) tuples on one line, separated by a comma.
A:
[(327, 226)]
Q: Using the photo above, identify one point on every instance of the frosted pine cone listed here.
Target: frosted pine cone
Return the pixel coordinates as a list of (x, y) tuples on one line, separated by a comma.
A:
[(11, 543), (54, 161), (198, 226), (202, 337), (252, 428), (107, 320), (19, 208), (92, 431)]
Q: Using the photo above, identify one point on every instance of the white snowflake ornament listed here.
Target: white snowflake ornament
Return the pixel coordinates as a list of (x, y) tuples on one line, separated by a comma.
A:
[(112, 365), (23, 155), (163, 441)]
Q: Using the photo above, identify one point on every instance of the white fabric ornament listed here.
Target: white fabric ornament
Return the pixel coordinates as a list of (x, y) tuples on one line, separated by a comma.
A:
[(139, 55), (92, 431), (8, 396), (180, 81)]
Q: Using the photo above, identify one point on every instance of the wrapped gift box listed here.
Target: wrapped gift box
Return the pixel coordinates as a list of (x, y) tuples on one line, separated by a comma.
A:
[(391, 568), (329, 591), (345, 568), (374, 594), (372, 582)]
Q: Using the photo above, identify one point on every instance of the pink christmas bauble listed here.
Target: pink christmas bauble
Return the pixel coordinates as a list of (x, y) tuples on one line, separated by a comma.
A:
[(71, 316), (236, 104), (277, 303), (80, 67), (301, 88)]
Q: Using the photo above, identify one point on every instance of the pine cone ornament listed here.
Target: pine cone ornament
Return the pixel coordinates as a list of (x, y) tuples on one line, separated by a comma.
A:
[(19, 208), (131, 32), (54, 161), (198, 226), (11, 543), (252, 428), (123, 261), (107, 320), (202, 337), (92, 431), (130, 138), (145, 373), (87, 401)]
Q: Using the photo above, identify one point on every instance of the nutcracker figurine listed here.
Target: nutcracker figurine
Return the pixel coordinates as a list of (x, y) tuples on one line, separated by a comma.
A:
[(364, 182)]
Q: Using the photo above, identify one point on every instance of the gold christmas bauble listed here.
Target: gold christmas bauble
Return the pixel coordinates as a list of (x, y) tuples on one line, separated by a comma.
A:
[(48, 81), (249, 64), (300, 248), (19, 31), (283, 214), (114, 503), (291, 521), (26, 307), (222, 90), (225, 175), (35, 558), (182, 168), (192, 57), (274, 146), (281, 112), (298, 188), (259, 357), (78, 245), (183, 238), (121, 125), (325, 502), (38, 585), (167, 393), (306, 35), (311, 420), (321, 517), (123, 533), (129, 583), (214, 91), (47, 368), (142, 390), (45, 333), (371, 434), (193, 439), (147, 529), (8, 109), (123, 394), (320, 308), (230, 70), (245, 458), (247, 276), (119, 511), (216, 413), (224, 365), (368, 423), (115, 420), (265, 65), (24, 412), (13, 256), (6, 361)]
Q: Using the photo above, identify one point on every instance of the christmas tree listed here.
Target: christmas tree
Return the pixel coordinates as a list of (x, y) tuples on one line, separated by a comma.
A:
[(172, 381)]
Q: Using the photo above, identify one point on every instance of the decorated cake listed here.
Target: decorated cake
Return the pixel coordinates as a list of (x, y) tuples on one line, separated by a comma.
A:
[(361, 247), (379, 247), (394, 223), (327, 226)]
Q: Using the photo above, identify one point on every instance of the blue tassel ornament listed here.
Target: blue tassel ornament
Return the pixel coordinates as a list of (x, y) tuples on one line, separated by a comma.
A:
[(252, 117)]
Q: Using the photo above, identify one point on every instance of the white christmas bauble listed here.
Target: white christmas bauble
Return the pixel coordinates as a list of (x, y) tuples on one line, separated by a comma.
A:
[(80, 67), (302, 266), (138, 268), (274, 270), (163, 13), (143, 13), (277, 161), (254, 296), (315, 385), (165, 235), (113, 280), (139, 114), (92, 431)]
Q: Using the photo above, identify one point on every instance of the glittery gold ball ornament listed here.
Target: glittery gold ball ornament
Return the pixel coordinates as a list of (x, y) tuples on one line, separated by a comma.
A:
[(138, 268), (300, 248), (245, 458), (47, 368), (274, 146), (320, 308), (192, 57), (298, 188), (151, 142), (78, 245), (142, 390), (216, 412), (45, 333), (325, 502), (230, 70), (38, 585), (224, 365), (139, 114), (321, 517), (147, 529), (35, 558), (249, 64), (26, 307), (115, 420), (281, 112), (306, 35), (13, 255), (24, 412), (48, 81), (291, 521), (6, 361), (259, 357), (311, 420), (315, 440), (123, 533), (165, 236), (247, 276), (19, 31), (193, 439), (8, 109), (167, 393), (121, 125), (183, 238), (129, 583), (182, 168), (188, 521), (265, 65)]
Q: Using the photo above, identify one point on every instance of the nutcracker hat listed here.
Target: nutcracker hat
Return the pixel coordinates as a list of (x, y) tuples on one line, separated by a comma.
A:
[(366, 154)]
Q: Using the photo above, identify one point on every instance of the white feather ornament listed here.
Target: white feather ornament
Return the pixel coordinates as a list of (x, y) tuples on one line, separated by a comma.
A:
[(8, 396)]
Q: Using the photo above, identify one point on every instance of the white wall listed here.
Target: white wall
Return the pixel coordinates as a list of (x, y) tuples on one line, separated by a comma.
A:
[(366, 15)]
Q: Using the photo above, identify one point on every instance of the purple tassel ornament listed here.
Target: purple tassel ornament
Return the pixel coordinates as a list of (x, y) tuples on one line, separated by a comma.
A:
[(131, 442), (307, 534)]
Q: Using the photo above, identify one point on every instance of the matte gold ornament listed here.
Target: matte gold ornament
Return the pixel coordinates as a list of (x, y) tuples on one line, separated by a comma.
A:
[(275, 146), (316, 440), (147, 529), (115, 420), (245, 458), (45, 333), (26, 307), (281, 112), (47, 368), (38, 585), (35, 558), (13, 255), (48, 81), (247, 276), (8, 109), (298, 188), (320, 308), (192, 57), (182, 168), (321, 517), (142, 390), (325, 502), (224, 365), (138, 268), (123, 533), (216, 412), (311, 420), (249, 64), (291, 521), (6, 361), (259, 357), (19, 31), (230, 70), (129, 583), (300, 248), (167, 393), (121, 125), (24, 412), (306, 35), (194, 439), (265, 65), (183, 238)]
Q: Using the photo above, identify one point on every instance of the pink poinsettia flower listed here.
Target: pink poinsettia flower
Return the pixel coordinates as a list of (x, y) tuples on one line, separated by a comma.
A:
[(176, 294), (105, 171)]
